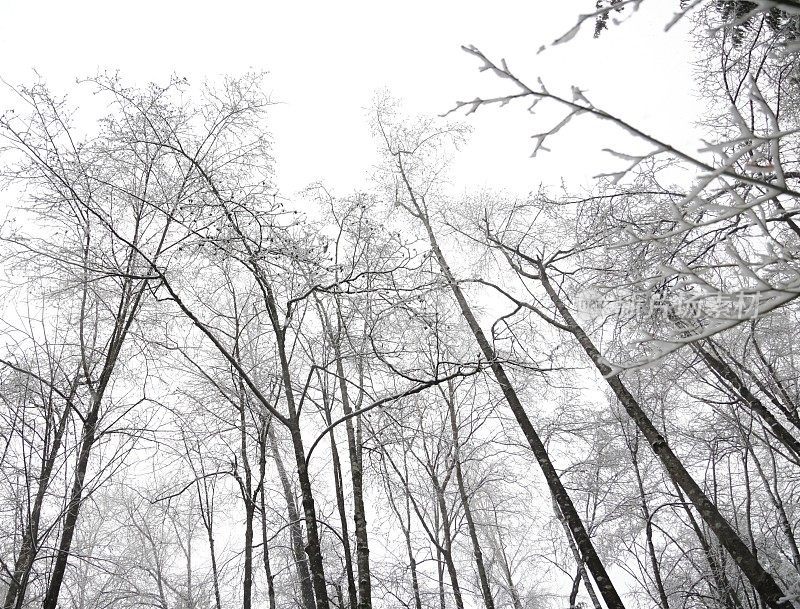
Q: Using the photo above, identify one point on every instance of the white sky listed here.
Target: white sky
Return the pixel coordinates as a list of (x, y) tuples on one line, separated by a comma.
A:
[(326, 60)]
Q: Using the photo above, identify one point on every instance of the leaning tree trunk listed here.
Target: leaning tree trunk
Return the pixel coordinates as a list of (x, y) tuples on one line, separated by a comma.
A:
[(762, 581), (447, 546), (562, 498), (73, 507), (22, 566), (721, 368), (633, 449), (581, 570)]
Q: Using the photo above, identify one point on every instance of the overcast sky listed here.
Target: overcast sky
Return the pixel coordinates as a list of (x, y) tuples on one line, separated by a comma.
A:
[(327, 59)]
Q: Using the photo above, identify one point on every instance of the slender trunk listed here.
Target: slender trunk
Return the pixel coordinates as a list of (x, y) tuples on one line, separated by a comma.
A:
[(214, 571), (447, 549), (356, 466), (190, 534), (762, 581), (245, 485), (726, 372), (506, 567), (439, 562), (265, 544), (648, 525), (473, 533), (724, 589), (338, 487), (577, 556), (584, 542), (22, 566), (248, 556), (357, 477), (406, 528), (789, 408), (777, 503), (573, 593), (207, 516)]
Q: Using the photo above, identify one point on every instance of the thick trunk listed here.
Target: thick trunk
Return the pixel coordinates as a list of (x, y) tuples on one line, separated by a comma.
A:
[(73, 508), (762, 581), (313, 549), (295, 531)]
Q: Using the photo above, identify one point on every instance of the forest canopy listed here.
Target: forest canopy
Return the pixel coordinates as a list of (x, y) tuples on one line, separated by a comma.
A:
[(214, 394)]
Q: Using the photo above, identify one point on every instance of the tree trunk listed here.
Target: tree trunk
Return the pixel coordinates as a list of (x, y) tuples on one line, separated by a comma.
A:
[(648, 525), (313, 549), (728, 374), (584, 542), (18, 584), (338, 487), (473, 533), (73, 507), (506, 567), (447, 548), (762, 581), (577, 556), (356, 466), (295, 531), (265, 543)]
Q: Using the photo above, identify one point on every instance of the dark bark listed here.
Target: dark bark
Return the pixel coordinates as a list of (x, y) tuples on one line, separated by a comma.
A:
[(356, 465), (313, 549), (762, 581), (73, 507), (573, 593), (729, 375), (339, 490), (577, 556), (584, 542), (447, 545), (486, 591), (295, 531), (264, 538), (633, 448), (30, 540)]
